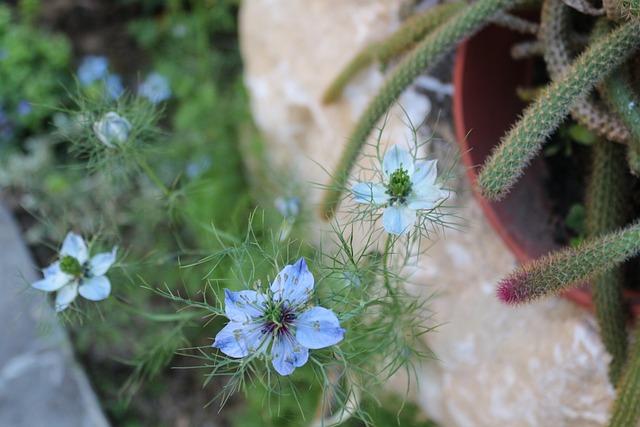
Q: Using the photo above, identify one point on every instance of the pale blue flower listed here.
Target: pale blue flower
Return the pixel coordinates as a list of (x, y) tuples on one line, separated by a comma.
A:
[(74, 273), (283, 320), (409, 187), (113, 86), (197, 167), (289, 207), (24, 107), (112, 129), (155, 88), (93, 68)]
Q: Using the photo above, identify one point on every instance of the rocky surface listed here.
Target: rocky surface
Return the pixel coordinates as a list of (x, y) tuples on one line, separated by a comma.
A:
[(40, 381), (529, 366)]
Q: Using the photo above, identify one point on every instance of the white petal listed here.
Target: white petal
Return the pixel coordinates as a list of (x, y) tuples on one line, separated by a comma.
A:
[(425, 173), (95, 288), (74, 246), (398, 220), (101, 262), (370, 193), (294, 284), (53, 280), (239, 340), (288, 354), (244, 305), (66, 295), (396, 158), (427, 197), (318, 328)]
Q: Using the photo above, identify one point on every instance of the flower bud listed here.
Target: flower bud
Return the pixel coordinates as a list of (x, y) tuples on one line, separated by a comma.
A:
[(112, 129)]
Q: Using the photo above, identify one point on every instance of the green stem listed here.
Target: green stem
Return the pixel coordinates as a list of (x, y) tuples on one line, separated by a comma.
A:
[(152, 175), (425, 54), (165, 317), (385, 265)]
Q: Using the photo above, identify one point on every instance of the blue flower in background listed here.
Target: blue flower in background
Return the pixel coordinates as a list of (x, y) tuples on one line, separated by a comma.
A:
[(93, 68), (113, 85), (6, 126), (24, 107), (282, 319), (74, 273), (155, 88)]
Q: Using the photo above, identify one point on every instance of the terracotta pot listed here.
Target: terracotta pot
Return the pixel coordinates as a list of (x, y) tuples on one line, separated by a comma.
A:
[(485, 106)]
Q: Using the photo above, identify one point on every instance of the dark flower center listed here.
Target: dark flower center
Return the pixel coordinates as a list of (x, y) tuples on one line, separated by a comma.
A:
[(399, 186), (278, 319)]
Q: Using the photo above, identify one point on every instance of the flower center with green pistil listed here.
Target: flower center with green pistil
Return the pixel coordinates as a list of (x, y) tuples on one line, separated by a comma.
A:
[(70, 265), (399, 186), (278, 319)]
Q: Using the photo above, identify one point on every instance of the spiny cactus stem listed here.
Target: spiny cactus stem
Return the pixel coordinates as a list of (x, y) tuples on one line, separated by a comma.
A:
[(411, 31), (619, 95), (426, 53), (570, 267), (540, 119), (587, 110), (606, 210), (626, 407)]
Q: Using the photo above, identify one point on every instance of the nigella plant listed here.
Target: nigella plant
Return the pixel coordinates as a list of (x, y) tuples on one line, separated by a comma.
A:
[(283, 320), (75, 273), (409, 189)]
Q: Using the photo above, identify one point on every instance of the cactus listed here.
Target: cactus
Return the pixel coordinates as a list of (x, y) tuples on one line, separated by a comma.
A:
[(570, 267), (540, 119), (606, 209), (411, 31), (426, 53), (620, 98), (626, 407)]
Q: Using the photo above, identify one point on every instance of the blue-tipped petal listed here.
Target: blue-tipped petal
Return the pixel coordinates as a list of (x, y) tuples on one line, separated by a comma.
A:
[(95, 288), (240, 340), (398, 220), (288, 354), (396, 158), (370, 193), (243, 306), (101, 262), (318, 327), (294, 284), (74, 246), (66, 295)]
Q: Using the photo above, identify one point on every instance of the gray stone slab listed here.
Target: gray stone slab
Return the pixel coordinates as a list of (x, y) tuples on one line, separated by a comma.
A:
[(40, 382)]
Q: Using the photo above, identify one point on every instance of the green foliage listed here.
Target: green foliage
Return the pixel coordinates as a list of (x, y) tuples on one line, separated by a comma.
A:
[(34, 67)]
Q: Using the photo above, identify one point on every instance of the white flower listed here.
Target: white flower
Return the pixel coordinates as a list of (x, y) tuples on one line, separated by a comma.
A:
[(112, 129), (409, 187), (289, 207), (74, 273)]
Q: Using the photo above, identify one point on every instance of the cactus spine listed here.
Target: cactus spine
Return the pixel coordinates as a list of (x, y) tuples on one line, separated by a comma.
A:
[(411, 31), (626, 407), (567, 268), (606, 203), (540, 119)]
